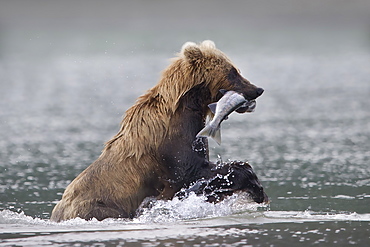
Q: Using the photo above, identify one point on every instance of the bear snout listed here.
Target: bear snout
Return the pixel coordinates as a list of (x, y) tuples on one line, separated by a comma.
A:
[(254, 94), (250, 92), (259, 91), (259, 197)]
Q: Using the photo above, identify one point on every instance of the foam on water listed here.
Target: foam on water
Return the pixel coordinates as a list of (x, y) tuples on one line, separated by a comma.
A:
[(192, 209), (188, 219), (195, 207)]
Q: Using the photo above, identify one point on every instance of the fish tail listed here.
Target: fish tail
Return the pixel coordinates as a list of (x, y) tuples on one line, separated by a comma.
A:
[(214, 133)]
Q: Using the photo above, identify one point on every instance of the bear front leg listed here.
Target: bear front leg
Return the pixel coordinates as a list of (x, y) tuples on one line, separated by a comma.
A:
[(218, 181), (169, 190)]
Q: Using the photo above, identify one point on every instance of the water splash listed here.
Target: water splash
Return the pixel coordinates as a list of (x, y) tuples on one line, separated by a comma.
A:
[(196, 207), (190, 208)]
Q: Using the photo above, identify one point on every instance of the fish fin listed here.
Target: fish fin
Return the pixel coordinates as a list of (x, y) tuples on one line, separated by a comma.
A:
[(205, 132), (208, 131), (213, 107), (223, 91), (217, 136)]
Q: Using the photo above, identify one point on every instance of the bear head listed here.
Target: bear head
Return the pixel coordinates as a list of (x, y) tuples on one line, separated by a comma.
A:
[(211, 66)]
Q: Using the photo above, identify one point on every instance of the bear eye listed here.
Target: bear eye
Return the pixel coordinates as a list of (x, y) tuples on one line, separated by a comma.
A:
[(233, 73)]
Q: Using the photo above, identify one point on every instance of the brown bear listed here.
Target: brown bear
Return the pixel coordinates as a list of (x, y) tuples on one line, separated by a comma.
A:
[(156, 152)]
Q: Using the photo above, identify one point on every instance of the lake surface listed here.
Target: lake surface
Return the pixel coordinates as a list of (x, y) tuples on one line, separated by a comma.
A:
[(63, 94)]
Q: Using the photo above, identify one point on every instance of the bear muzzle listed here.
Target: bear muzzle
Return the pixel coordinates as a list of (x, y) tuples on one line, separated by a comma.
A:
[(258, 196), (251, 104), (253, 94), (259, 91)]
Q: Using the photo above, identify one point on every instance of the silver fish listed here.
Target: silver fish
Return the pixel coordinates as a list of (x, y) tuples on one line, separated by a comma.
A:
[(222, 109)]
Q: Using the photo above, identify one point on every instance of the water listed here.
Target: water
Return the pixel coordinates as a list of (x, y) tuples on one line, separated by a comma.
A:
[(64, 90)]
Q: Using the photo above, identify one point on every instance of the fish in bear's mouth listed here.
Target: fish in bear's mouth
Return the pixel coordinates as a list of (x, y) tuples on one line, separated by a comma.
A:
[(248, 106)]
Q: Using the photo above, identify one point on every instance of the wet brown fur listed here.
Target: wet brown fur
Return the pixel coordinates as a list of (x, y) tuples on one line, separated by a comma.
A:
[(152, 154)]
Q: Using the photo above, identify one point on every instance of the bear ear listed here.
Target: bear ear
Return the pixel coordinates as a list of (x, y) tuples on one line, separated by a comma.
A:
[(191, 51), (209, 44)]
